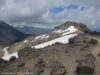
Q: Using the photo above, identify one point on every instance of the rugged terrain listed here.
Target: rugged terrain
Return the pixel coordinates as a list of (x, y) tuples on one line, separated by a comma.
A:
[(70, 49)]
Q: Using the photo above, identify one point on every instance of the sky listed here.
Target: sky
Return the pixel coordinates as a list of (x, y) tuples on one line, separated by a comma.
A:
[(50, 13)]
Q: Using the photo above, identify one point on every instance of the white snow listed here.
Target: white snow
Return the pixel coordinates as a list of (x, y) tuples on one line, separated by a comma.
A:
[(58, 31), (5, 50), (65, 36), (37, 37), (44, 36), (63, 39), (8, 56), (47, 36), (69, 30), (25, 41)]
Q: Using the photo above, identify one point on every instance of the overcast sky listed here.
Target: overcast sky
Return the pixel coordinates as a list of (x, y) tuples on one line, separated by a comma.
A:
[(49, 13)]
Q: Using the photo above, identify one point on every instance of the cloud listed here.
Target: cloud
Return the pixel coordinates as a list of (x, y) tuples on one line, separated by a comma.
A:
[(50, 13)]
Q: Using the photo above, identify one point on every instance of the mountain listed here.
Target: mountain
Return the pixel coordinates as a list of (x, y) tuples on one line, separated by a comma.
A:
[(9, 35), (70, 49), (33, 30)]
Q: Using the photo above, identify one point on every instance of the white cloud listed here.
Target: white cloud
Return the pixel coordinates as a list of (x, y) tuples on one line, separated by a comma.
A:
[(37, 12)]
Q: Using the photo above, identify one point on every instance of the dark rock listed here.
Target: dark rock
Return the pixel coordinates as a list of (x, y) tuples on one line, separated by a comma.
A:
[(66, 52), (71, 41), (86, 64), (57, 69), (99, 54), (84, 70), (3, 61), (39, 66), (82, 49), (77, 61), (93, 41), (58, 43), (12, 58), (21, 64)]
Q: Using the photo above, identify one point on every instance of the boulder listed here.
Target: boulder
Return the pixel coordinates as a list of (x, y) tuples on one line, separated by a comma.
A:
[(12, 58), (27, 52), (86, 65), (57, 69)]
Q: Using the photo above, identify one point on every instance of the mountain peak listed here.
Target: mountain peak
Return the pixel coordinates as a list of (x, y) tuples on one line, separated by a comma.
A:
[(77, 25)]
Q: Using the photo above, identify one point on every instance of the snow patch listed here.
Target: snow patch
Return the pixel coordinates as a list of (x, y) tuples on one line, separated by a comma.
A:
[(63, 39), (69, 30), (47, 36), (25, 41), (44, 36), (8, 56), (58, 31)]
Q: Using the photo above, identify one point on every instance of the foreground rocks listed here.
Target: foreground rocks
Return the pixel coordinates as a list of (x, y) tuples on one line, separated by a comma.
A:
[(86, 65), (74, 58)]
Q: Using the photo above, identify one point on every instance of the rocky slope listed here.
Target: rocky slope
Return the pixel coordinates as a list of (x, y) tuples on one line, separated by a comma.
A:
[(69, 49)]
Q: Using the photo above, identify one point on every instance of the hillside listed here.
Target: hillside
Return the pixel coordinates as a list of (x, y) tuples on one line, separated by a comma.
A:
[(9, 35), (70, 49)]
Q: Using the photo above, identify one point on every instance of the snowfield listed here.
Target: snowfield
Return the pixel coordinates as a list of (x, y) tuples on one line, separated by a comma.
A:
[(69, 30), (63, 39), (65, 36)]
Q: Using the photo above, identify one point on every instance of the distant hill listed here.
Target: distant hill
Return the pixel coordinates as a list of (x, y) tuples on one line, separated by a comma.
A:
[(9, 35), (33, 30)]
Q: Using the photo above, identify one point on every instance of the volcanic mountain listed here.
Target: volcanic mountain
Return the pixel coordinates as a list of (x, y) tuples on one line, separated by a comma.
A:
[(9, 35), (70, 49)]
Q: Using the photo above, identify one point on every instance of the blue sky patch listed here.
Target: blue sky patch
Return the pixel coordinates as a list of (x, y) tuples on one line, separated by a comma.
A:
[(57, 10), (81, 8), (72, 6)]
